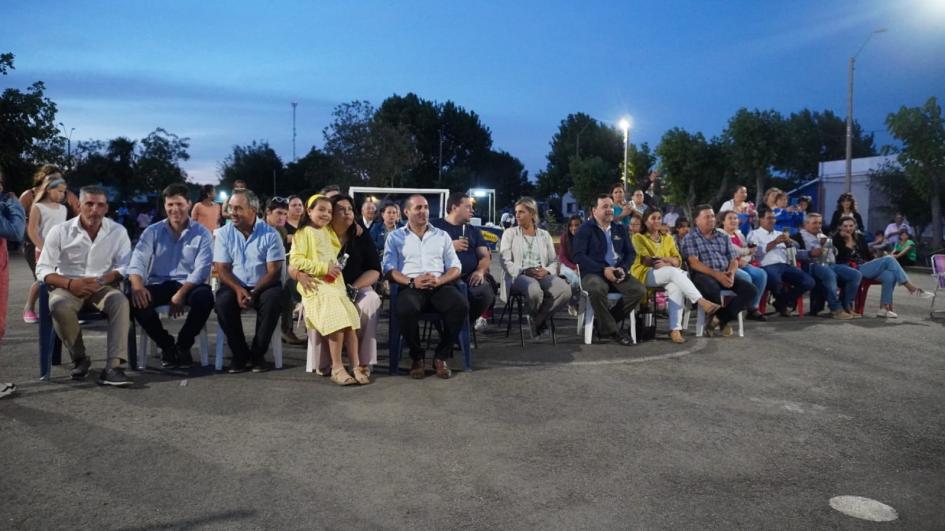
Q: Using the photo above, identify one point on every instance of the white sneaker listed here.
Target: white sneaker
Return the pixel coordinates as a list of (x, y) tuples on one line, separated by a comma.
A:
[(7, 389), (889, 314), (921, 293), (481, 323)]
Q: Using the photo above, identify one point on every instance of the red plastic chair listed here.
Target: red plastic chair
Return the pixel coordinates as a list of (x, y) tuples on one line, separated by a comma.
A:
[(763, 305), (860, 305)]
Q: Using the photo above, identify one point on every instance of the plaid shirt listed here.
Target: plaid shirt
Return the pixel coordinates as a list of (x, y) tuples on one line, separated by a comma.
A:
[(715, 251)]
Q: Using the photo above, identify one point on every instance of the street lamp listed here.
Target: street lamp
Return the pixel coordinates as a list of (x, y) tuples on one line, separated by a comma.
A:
[(848, 183), (625, 124), (68, 144)]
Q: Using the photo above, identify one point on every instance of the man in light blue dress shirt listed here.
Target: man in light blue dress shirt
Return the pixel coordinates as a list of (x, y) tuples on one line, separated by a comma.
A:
[(421, 259), (249, 258), (171, 266)]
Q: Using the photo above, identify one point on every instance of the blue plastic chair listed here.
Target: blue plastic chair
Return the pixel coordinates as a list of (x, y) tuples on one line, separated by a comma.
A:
[(395, 343), (50, 346)]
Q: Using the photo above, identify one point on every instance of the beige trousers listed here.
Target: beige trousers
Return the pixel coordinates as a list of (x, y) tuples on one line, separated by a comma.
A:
[(65, 307)]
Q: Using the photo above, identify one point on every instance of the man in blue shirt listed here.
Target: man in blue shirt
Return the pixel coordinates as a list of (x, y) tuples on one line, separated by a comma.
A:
[(421, 259), (473, 253), (170, 265), (249, 257), (602, 250)]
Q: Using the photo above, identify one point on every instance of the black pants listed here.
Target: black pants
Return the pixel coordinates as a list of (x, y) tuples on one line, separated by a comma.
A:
[(481, 297), (267, 314), (711, 290), (200, 300), (597, 288), (447, 301)]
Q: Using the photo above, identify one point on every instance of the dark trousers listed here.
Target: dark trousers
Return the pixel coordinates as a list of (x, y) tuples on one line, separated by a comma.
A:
[(267, 314), (781, 274), (711, 290), (447, 301), (597, 288), (200, 300), (481, 298)]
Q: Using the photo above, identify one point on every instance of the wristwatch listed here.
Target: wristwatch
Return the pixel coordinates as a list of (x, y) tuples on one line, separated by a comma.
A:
[(410, 284), (100, 281)]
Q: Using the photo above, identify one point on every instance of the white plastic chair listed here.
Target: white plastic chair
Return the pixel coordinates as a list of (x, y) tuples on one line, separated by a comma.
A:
[(938, 273), (700, 316), (275, 345), (585, 317), (144, 342)]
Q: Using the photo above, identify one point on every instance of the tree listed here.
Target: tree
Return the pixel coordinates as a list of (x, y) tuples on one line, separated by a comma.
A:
[(922, 133), (813, 137), (257, 164), (121, 155), (591, 176), (754, 141), (28, 133), (640, 162), (158, 163), (580, 135), (694, 169), (311, 173), (369, 151), (893, 182)]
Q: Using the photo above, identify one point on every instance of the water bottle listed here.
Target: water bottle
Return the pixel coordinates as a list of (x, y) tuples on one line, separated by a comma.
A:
[(342, 262)]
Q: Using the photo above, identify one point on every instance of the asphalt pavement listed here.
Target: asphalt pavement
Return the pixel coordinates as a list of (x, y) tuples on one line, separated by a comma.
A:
[(719, 433)]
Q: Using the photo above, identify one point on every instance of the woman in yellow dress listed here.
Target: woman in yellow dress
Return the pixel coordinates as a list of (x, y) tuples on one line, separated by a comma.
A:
[(327, 308), (657, 265)]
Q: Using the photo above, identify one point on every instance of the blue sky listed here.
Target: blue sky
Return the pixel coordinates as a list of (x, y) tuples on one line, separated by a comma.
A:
[(224, 73)]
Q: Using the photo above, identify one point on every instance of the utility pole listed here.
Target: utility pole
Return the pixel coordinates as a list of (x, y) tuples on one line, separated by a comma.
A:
[(295, 103), (68, 144), (848, 179), (440, 175)]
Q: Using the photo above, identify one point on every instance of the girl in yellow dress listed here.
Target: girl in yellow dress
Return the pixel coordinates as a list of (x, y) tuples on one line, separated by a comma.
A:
[(327, 307)]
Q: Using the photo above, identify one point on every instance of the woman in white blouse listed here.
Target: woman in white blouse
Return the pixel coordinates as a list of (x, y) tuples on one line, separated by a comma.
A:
[(531, 266)]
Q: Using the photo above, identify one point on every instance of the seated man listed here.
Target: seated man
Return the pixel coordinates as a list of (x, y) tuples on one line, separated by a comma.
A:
[(816, 250), (773, 254), (713, 260), (602, 249), (473, 253), (249, 257), (82, 262), (171, 265), (277, 213), (421, 259)]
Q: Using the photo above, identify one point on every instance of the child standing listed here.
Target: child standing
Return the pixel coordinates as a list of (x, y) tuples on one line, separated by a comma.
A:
[(46, 212), (328, 310)]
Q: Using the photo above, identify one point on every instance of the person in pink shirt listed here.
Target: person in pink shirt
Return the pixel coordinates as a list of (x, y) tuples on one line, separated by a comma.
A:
[(206, 211)]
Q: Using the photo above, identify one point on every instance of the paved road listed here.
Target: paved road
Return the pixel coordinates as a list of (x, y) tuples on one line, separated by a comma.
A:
[(725, 433)]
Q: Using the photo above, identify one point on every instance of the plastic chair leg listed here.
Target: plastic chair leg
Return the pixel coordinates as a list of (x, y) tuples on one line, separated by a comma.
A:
[(218, 355), (276, 344)]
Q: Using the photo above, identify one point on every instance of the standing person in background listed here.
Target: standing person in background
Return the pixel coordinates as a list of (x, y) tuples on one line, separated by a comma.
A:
[(846, 206), (390, 221), (207, 212), (568, 268), (654, 196), (473, 253), (46, 212), (623, 211), (368, 211), (786, 217), (742, 207), (638, 205), (26, 201), (893, 229), (12, 225)]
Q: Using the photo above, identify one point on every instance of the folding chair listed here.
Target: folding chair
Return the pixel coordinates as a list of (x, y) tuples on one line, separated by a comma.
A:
[(395, 343), (938, 273)]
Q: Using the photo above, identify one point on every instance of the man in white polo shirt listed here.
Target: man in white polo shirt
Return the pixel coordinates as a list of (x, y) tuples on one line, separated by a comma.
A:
[(772, 251), (82, 262), (421, 259)]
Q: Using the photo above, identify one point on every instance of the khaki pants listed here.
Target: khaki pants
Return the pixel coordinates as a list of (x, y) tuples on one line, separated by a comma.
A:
[(65, 307)]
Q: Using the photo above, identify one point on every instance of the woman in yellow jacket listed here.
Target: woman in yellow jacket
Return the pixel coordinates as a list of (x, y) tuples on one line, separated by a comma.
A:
[(657, 266), (328, 310)]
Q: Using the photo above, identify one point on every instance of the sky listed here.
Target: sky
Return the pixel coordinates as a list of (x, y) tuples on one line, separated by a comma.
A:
[(224, 73)]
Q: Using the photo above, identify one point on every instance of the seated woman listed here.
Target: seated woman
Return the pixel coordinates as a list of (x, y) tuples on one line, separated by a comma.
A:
[(328, 311), (657, 266), (730, 222), (390, 217), (852, 248), (530, 265), (904, 251), (568, 268)]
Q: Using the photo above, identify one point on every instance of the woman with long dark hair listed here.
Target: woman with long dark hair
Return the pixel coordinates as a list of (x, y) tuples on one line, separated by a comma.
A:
[(846, 206), (568, 268)]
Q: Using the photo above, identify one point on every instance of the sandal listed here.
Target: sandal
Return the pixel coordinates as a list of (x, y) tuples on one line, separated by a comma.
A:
[(362, 374), (341, 377)]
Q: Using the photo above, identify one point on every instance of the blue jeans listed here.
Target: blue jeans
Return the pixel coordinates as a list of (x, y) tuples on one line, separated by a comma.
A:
[(888, 272), (779, 274), (756, 276), (826, 277)]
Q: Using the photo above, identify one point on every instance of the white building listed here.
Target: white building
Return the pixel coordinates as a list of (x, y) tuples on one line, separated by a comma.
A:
[(569, 205), (873, 205)]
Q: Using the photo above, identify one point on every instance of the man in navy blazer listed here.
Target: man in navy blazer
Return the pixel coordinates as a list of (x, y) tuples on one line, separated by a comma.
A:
[(603, 251)]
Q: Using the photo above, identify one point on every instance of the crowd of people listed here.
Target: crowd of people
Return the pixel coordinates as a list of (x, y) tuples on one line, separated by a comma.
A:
[(331, 261)]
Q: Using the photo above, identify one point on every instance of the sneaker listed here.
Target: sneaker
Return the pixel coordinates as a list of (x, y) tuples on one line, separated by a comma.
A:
[(260, 366), (80, 368), (114, 378), (168, 358), (236, 368), (919, 292), (841, 314), (481, 323), (30, 317), (185, 359), (889, 314), (7, 389), (572, 310)]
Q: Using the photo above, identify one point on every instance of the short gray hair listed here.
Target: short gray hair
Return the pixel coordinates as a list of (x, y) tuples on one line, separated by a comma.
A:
[(251, 197), (811, 216), (92, 189)]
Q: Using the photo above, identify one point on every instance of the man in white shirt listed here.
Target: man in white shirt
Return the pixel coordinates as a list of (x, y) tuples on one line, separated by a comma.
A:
[(82, 262), (892, 230), (785, 281), (368, 210), (421, 259)]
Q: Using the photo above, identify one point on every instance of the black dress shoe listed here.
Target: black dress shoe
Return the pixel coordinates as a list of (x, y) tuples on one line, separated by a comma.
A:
[(236, 368), (80, 368), (621, 338), (755, 315), (169, 358), (260, 366), (184, 359)]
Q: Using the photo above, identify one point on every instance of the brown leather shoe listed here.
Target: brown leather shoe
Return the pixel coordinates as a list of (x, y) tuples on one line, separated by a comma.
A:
[(416, 369), (442, 370)]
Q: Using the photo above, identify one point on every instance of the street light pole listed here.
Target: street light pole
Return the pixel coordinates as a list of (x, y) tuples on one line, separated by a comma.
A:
[(68, 145), (295, 103), (848, 180), (625, 125)]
